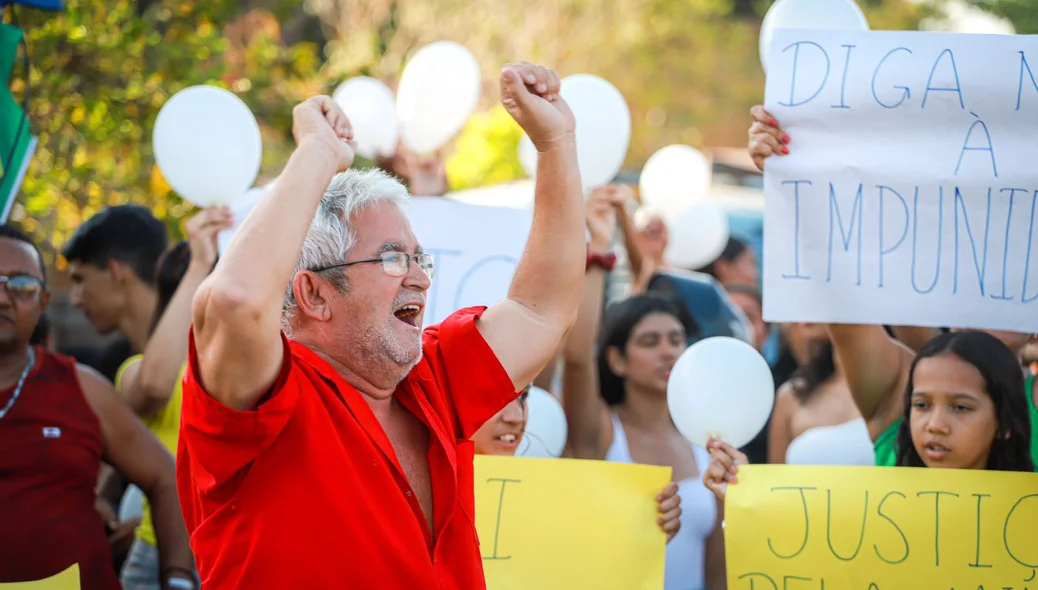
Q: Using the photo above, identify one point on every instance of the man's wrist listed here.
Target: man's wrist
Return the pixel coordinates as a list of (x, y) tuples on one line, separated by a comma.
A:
[(322, 152), (566, 141)]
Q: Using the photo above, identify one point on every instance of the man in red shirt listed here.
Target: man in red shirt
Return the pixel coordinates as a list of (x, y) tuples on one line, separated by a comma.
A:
[(336, 454)]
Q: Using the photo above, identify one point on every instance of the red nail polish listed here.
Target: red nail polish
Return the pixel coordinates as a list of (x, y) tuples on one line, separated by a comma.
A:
[(774, 123), (785, 150), (785, 139)]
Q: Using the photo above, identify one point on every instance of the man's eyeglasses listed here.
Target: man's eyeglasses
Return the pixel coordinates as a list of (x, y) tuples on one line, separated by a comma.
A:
[(22, 287), (395, 264)]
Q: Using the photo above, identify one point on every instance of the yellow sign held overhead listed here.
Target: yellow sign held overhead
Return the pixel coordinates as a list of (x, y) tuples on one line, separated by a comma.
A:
[(66, 580), (881, 528), (559, 524)]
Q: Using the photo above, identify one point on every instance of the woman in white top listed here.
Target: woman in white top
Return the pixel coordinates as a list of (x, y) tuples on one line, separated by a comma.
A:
[(815, 420), (615, 398)]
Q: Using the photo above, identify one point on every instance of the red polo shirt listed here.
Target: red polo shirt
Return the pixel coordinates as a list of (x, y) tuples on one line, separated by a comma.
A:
[(306, 491)]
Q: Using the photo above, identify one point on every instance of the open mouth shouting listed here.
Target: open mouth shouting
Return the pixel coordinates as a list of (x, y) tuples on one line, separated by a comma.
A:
[(410, 313)]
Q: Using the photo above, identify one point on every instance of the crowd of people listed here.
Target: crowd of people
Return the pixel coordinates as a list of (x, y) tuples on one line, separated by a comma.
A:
[(291, 423)]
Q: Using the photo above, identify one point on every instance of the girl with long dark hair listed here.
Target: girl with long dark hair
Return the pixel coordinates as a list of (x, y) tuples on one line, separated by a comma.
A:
[(615, 399)]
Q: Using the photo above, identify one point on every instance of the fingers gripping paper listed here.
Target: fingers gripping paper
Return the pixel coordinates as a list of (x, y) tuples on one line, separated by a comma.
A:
[(909, 194), (881, 528), (559, 524)]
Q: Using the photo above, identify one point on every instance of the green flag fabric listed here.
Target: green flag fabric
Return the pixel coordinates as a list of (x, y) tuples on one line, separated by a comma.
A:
[(17, 145)]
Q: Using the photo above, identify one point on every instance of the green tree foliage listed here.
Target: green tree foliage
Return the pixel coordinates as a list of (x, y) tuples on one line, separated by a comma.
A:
[(100, 72), (1022, 13)]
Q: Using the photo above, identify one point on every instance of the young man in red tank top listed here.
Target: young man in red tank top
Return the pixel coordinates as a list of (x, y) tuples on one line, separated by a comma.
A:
[(58, 420)]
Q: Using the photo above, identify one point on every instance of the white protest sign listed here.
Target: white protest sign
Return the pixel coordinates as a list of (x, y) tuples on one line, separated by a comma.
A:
[(909, 193), (475, 250)]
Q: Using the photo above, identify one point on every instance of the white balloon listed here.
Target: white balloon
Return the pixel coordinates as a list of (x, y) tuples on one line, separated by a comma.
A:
[(696, 237), (371, 108), (528, 156), (831, 15), (546, 427), (721, 388), (675, 178), (240, 209), (603, 129), (207, 145), (438, 91)]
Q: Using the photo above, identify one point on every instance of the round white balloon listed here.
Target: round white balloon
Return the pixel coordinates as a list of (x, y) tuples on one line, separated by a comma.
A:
[(675, 178), (207, 145), (371, 108), (831, 15), (603, 129), (696, 237), (546, 427), (721, 388), (438, 91)]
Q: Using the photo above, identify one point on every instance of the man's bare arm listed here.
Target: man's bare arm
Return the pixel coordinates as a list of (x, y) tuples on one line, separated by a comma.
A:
[(525, 329), (237, 309)]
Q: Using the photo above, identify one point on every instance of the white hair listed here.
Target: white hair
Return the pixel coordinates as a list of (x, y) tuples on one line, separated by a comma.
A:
[(331, 235)]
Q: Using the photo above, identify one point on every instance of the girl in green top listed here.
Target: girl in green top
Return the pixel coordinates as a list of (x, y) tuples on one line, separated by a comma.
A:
[(963, 407)]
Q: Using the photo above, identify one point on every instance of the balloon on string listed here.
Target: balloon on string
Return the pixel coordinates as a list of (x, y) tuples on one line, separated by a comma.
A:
[(207, 145), (675, 178), (240, 209), (830, 15), (603, 130), (722, 388), (546, 428), (697, 236), (438, 91), (371, 108)]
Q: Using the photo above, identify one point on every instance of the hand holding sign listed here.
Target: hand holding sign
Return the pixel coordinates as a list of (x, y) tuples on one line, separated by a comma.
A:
[(531, 95), (766, 137), (721, 388)]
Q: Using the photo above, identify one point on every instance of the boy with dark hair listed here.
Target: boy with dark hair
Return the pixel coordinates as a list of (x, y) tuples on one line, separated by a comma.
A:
[(112, 260)]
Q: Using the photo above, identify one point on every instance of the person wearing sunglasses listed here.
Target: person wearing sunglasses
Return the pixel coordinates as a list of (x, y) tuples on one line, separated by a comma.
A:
[(58, 421), (322, 427)]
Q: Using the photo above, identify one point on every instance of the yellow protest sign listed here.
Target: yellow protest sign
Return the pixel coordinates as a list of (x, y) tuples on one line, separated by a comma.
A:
[(881, 528), (66, 580), (560, 524)]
